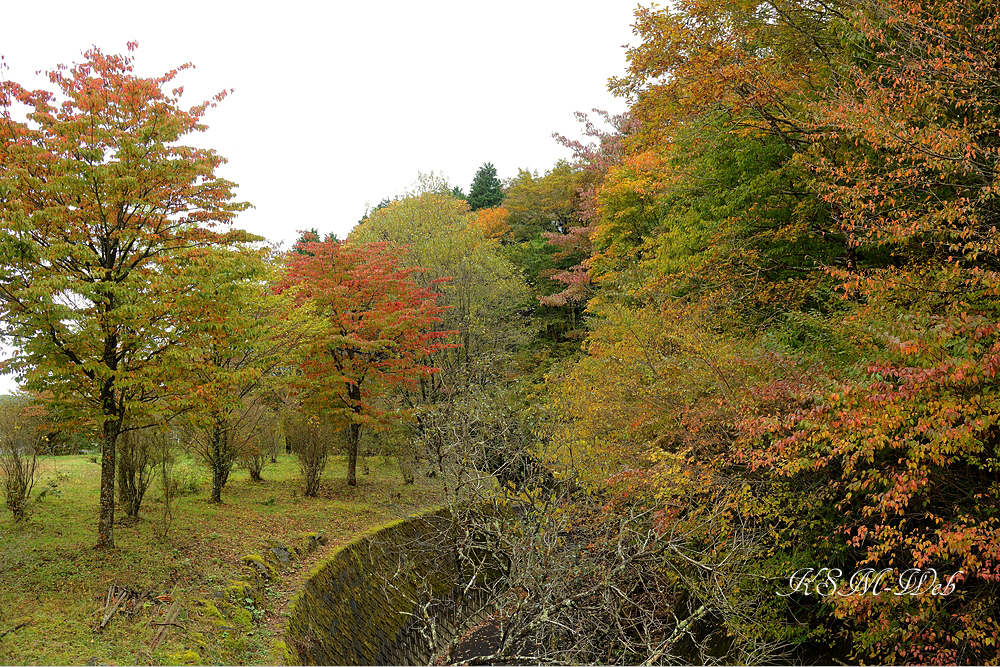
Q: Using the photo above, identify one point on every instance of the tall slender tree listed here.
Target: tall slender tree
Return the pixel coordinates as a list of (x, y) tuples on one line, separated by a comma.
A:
[(105, 222), (252, 336)]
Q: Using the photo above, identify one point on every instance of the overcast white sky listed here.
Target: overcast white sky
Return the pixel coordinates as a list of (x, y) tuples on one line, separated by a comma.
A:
[(339, 104)]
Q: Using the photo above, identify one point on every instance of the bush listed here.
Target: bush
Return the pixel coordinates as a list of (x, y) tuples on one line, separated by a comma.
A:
[(398, 440), (184, 480), (262, 447), (310, 438), (139, 452), (20, 442), (254, 461), (19, 465)]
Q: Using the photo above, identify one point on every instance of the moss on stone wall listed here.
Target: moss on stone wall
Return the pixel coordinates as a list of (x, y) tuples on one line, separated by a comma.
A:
[(388, 597)]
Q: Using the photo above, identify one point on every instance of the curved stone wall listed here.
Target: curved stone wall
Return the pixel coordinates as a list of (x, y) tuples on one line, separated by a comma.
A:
[(390, 597)]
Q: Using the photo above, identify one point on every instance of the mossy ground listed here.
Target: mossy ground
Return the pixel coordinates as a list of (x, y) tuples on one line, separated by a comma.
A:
[(54, 581)]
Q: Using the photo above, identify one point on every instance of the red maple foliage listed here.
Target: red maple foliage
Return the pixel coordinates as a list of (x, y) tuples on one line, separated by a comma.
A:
[(375, 331)]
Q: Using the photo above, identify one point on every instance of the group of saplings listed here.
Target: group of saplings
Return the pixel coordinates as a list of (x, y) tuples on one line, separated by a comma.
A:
[(250, 442), (313, 439), (250, 438)]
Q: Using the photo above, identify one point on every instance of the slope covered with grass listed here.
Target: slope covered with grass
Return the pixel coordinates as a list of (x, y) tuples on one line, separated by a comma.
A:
[(55, 584)]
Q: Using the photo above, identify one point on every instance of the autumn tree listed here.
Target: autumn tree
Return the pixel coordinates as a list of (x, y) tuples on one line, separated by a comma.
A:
[(249, 335), (482, 292), (375, 332), (552, 218), (103, 217), (547, 203), (541, 209), (807, 217), (486, 190), (492, 223), (906, 152)]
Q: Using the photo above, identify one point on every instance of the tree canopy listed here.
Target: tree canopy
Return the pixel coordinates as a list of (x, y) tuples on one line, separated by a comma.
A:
[(765, 309)]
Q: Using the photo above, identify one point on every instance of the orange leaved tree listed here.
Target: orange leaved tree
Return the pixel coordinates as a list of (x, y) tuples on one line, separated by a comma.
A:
[(105, 220)]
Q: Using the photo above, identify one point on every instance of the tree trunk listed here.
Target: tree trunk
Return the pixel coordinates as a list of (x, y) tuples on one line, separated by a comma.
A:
[(221, 461), (407, 464), (106, 515), (353, 434), (217, 484), (353, 437), (113, 414)]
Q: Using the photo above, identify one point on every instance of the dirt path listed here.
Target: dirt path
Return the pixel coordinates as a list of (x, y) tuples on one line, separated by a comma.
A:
[(293, 579)]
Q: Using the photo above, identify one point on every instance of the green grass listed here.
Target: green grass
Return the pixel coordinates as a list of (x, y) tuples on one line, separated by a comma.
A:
[(55, 581)]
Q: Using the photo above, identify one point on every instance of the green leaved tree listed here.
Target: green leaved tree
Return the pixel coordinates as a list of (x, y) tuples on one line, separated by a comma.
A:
[(481, 289), (106, 221)]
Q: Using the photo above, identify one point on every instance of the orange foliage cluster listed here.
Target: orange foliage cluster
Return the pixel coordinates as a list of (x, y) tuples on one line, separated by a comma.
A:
[(798, 261), (492, 222)]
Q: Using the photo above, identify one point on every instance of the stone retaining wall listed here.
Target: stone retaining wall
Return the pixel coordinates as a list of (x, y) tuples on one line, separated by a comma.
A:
[(390, 597)]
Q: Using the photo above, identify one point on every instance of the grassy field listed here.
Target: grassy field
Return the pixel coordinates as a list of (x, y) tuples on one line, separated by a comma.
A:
[(54, 584)]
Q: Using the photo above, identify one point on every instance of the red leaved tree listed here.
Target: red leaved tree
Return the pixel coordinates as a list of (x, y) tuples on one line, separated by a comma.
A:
[(373, 336)]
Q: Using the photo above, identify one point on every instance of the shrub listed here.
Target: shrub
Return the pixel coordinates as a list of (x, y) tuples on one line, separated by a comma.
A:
[(139, 452), (310, 438), (184, 480), (20, 441), (19, 465), (263, 446)]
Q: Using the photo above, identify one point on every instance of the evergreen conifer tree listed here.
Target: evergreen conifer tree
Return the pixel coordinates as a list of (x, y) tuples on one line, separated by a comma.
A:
[(486, 190)]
